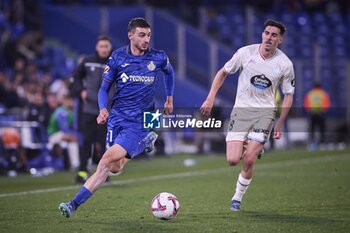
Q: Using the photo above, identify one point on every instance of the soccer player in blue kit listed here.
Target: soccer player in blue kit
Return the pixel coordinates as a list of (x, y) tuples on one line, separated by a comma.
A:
[(135, 70)]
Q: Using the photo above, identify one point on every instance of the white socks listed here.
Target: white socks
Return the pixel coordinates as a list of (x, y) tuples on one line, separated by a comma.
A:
[(241, 186)]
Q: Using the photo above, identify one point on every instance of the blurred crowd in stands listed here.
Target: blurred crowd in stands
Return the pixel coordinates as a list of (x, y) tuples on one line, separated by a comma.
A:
[(30, 86)]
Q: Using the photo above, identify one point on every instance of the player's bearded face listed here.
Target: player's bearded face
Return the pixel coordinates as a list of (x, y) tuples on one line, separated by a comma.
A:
[(140, 38), (271, 38)]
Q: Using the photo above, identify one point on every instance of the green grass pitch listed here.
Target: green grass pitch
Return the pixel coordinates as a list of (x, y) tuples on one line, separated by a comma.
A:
[(292, 191)]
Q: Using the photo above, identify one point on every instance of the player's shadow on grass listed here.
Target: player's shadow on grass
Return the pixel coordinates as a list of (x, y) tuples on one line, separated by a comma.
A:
[(275, 217)]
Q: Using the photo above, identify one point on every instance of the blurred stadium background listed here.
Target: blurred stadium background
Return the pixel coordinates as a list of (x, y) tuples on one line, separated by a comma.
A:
[(42, 42)]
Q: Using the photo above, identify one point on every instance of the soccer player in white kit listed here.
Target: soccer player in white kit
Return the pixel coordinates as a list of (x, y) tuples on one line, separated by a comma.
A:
[(263, 68)]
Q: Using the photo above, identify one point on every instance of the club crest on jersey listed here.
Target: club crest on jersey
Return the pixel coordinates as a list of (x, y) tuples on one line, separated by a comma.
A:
[(106, 69), (260, 81), (151, 66)]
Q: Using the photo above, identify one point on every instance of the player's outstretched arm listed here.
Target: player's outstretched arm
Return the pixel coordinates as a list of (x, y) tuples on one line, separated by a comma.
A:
[(169, 80), (286, 105), (215, 86), (103, 102)]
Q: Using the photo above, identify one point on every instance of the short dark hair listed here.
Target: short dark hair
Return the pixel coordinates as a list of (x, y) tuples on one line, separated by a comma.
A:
[(103, 37), (138, 22), (277, 24)]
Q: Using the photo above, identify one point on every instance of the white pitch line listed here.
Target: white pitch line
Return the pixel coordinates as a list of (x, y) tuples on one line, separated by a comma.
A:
[(327, 158), (121, 182), (265, 166)]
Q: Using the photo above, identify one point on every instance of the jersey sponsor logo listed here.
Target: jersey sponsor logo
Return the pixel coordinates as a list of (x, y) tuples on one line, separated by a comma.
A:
[(151, 66), (137, 78), (124, 77), (106, 69), (263, 131), (260, 81)]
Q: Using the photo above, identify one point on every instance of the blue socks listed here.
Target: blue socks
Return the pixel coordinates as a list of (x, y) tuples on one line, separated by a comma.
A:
[(81, 197)]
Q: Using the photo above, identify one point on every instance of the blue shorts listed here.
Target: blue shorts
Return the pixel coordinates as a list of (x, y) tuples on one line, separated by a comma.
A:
[(128, 137)]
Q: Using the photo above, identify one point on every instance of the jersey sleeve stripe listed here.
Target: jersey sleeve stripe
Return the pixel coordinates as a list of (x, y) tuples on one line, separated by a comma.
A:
[(108, 81)]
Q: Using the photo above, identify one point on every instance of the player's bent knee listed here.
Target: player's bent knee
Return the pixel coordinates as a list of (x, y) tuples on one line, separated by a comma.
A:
[(117, 166), (115, 169), (233, 161)]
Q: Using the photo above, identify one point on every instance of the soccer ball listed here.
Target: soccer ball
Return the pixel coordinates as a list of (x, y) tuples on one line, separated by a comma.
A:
[(165, 206)]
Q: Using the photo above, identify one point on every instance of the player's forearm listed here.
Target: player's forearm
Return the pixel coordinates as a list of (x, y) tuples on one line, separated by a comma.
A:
[(286, 106), (103, 95), (217, 83), (169, 81), (169, 99)]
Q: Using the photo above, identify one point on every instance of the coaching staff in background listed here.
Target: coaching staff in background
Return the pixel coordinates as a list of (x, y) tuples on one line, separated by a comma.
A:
[(85, 85)]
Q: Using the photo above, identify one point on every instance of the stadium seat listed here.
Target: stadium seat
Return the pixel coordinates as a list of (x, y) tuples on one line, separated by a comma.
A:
[(308, 77), (340, 28), (335, 18), (226, 33), (305, 40), (338, 40), (322, 29), (306, 52), (290, 52), (326, 73), (237, 42), (322, 40), (236, 18), (318, 18), (302, 19), (339, 52)]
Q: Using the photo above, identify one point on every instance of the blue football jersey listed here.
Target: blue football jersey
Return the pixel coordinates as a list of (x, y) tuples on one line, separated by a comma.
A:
[(135, 79)]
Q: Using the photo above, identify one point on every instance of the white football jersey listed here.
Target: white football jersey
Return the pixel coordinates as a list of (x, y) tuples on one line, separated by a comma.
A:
[(259, 78)]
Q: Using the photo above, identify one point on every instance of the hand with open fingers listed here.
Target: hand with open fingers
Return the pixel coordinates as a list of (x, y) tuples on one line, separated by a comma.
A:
[(277, 134), (168, 107), (102, 116), (206, 108)]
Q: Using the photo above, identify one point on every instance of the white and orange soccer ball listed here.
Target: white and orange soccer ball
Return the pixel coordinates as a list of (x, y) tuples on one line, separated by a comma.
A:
[(165, 206)]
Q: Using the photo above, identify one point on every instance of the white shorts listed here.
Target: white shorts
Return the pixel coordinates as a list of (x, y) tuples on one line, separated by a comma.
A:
[(56, 138), (250, 123)]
